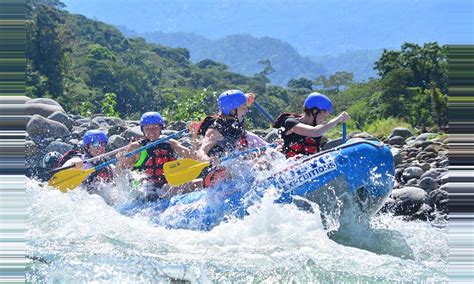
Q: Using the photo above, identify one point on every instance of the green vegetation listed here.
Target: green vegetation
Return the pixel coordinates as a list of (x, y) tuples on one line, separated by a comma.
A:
[(381, 128), (90, 67)]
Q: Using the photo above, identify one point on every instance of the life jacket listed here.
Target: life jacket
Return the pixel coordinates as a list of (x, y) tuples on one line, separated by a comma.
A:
[(105, 174), (151, 161), (234, 133), (295, 144)]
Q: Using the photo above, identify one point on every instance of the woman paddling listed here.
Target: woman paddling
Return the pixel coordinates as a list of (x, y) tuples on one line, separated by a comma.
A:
[(301, 134)]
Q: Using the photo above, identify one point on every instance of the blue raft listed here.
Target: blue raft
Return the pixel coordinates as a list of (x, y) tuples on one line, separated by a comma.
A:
[(358, 174)]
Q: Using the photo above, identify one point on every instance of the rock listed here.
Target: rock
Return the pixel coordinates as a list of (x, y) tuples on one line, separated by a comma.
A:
[(438, 199), (42, 106), (78, 132), (332, 143), (396, 140), (412, 182), (272, 136), (401, 131), (397, 156), (435, 148), (177, 125), (117, 141), (60, 147), (398, 174), (43, 127), (423, 213), (30, 149), (114, 121), (425, 144), (363, 135), (434, 173), (100, 121), (63, 118), (428, 184), (117, 129), (45, 101), (82, 121), (425, 136), (412, 172), (41, 109), (75, 142), (133, 133), (408, 200)]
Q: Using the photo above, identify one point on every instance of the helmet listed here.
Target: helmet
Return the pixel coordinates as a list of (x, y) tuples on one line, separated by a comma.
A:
[(51, 159), (319, 101), (92, 136), (151, 117), (230, 100)]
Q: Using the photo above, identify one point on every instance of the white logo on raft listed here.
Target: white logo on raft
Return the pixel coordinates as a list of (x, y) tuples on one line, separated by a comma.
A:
[(306, 172)]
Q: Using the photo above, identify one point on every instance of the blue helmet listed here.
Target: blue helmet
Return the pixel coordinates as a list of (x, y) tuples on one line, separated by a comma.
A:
[(151, 117), (319, 101), (230, 100), (92, 136)]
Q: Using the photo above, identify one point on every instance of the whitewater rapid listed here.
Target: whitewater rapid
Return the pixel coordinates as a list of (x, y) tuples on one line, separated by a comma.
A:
[(79, 237)]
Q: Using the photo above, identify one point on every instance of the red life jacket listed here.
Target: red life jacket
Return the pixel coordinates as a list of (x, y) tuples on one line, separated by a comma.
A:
[(151, 161), (295, 144), (234, 133)]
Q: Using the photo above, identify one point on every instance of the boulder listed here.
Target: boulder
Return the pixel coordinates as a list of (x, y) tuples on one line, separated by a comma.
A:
[(428, 184), (177, 125), (133, 133), (412, 172), (408, 200), (117, 141), (117, 129), (438, 199), (401, 131), (60, 147), (43, 127), (396, 140), (332, 143), (397, 156), (63, 118), (425, 136), (114, 121)]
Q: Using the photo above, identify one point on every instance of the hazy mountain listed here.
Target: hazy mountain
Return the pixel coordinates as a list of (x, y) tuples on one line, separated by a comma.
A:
[(242, 53)]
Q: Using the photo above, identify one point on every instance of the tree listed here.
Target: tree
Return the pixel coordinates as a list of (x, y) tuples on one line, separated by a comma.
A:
[(300, 83)]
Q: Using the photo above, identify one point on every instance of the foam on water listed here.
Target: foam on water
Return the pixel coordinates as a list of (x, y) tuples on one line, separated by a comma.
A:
[(81, 237)]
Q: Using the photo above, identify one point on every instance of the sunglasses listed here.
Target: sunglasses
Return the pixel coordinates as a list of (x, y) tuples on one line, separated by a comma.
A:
[(97, 145)]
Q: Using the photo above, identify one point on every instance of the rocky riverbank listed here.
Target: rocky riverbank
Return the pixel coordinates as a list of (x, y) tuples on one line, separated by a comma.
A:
[(421, 160)]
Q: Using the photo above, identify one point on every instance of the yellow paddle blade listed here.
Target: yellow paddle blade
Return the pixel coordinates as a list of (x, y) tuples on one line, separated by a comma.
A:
[(182, 171), (69, 179)]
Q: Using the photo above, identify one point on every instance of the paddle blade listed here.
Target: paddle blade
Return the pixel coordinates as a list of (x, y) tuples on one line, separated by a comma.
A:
[(182, 171), (69, 179)]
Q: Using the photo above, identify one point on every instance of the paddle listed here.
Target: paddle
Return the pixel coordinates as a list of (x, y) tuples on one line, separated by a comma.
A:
[(72, 178), (344, 132), (185, 170), (48, 173), (263, 111)]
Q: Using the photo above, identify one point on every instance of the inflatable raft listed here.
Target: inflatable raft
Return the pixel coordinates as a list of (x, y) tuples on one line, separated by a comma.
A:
[(352, 180)]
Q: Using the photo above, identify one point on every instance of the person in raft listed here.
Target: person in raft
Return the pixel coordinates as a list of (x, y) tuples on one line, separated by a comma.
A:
[(94, 143), (225, 133), (301, 133), (150, 161)]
